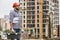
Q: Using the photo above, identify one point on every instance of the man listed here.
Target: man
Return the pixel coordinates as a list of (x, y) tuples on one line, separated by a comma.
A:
[(16, 19)]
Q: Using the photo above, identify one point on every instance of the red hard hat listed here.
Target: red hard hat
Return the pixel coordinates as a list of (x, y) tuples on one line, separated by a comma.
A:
[(16, 4)]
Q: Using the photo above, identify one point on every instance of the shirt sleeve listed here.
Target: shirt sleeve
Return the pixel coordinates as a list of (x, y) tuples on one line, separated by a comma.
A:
[(11, 17)]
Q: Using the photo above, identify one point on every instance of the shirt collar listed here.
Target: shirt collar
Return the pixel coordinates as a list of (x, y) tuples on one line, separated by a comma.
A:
[(16, 11)]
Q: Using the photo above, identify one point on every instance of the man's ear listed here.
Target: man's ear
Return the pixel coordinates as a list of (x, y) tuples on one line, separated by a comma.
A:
[(13, 7)]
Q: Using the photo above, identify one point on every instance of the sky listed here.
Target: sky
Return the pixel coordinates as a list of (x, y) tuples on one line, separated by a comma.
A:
[(6, 6)]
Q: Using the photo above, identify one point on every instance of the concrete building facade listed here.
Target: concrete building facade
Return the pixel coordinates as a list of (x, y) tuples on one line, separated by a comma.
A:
[(36, 17), (54, 12), (4, 24)]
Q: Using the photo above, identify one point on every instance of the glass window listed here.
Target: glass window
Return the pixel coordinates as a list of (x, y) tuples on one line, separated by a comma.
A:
[(30, 25), (37, 7), (37, 25), (24, 25), (44, 16), (33, 17), (38, 36), (24, 0), (37, 16), (24, 21), (47, 2), (44, 7), (44, 30), (37, 3), (44, 2), (44, 25), (24, 3), (24, 12), (29, 16), (45, 11), (44, 21), (32, 8), (33, 21), (38, 31), (24, 17), (28, 21), (38, 12), (37, 21), (32, 0)]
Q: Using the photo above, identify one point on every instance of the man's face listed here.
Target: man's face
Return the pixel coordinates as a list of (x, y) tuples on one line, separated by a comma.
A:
[(17, 8)]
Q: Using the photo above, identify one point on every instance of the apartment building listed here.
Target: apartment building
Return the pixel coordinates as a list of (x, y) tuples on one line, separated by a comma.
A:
[(54, 12), (6, 17), (36, 18), (4, 23)]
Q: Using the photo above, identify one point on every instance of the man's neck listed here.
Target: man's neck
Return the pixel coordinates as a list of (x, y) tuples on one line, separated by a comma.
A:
[(16, 10)]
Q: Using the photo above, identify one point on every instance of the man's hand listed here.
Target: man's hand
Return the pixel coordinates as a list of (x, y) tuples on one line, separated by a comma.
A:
[(11, 24), (12, 30)]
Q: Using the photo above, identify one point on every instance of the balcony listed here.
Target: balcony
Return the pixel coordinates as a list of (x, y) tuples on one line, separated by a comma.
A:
[(30, 12), (45, 11), (28, 21), (31, 3), (45, 14), (46, 3), (30, 0), (55, 5), (30, 25), (31, 8), (31, 17), (31, 21)]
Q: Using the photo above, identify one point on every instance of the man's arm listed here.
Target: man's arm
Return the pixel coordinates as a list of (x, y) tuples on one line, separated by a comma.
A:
[(11, 20), (11, 25)]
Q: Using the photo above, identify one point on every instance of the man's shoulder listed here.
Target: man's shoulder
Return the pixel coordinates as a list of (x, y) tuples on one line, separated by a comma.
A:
[(11, 11)]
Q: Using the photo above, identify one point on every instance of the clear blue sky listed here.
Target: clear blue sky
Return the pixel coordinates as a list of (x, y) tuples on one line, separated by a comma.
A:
[(6, 6)]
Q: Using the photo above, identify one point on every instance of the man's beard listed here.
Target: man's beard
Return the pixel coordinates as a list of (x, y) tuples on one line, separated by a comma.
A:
[(17, 9)]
